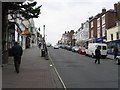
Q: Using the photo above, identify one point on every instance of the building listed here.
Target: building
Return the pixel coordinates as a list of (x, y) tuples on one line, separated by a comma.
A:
[(99, 24), (113, 39)]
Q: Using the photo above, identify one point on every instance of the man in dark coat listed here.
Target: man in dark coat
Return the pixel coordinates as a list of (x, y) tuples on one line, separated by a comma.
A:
[(115, 52), (39, 45), (97, 55), (17, 53)]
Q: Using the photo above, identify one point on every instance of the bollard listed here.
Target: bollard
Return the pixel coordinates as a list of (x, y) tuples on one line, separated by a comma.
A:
[(42, 52)]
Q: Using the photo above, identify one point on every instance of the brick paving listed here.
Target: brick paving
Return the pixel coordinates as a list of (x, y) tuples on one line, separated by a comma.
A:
[(35, 72)]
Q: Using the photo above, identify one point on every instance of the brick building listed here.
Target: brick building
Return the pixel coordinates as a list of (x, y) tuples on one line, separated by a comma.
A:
[(99, 24)]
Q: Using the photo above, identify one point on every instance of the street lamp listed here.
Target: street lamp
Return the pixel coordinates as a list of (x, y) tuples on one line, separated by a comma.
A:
[(44, 31)]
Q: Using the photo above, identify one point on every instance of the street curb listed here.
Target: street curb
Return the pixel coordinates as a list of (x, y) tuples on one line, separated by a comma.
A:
[(58, 75)]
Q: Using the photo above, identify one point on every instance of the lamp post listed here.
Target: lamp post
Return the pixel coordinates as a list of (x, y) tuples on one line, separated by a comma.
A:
[(44, 32)]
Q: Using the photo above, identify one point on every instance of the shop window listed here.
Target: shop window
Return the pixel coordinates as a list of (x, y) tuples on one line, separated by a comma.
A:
[(111, 47), (118, 44)]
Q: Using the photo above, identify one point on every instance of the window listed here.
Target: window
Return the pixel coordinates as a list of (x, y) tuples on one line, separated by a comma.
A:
[(91, 24), (91, 33), (118, 44), (104, 47), (103, 19), (111, 36), (103, 30), (98, 22), (117, 35), (98, 32), (111, 47)]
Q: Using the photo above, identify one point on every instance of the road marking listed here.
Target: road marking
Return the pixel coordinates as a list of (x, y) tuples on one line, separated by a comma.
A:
[(63, 84)]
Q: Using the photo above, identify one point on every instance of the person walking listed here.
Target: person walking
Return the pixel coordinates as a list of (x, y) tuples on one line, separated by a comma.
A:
[(97, 55), (115, 52), (17, 53), (40, 45)]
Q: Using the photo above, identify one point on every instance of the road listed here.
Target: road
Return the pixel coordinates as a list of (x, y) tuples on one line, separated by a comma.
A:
[(80, 71)]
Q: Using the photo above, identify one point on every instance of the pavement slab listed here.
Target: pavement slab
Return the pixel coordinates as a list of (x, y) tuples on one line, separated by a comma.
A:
[(35, 72)]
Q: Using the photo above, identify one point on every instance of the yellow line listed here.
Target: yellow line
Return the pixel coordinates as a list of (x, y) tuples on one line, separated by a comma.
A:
[(64, 86)]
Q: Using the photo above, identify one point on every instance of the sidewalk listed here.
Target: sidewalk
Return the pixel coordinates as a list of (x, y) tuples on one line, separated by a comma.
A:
[(35, 72)]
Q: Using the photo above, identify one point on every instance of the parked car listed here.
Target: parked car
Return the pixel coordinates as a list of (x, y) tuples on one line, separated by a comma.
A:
[(118, 60), (82, 50), (56, 47), (48, 44), (69, 47), (93, 46), (75, 48)]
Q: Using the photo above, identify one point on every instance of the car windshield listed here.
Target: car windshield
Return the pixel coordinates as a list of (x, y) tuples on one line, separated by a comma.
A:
[(83, 48)]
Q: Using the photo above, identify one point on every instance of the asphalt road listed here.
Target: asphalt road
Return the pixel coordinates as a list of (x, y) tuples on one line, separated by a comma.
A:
[(80, 71)]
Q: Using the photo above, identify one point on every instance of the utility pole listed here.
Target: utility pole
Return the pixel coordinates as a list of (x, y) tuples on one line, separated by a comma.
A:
[(44, 32)]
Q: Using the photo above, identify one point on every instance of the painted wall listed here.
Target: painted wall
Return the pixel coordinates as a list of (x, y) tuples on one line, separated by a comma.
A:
[(113, 31)]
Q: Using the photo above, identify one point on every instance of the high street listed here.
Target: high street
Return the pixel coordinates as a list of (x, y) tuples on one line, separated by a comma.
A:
[(80, 71)]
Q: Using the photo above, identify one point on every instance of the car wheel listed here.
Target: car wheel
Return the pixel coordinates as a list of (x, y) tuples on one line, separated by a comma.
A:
[(118, 61), (92, 55)]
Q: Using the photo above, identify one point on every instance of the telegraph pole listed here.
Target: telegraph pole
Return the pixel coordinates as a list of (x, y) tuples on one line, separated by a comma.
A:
[(44, 32)]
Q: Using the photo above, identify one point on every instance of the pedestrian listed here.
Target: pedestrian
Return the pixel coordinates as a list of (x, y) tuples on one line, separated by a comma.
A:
[(115, 52), (39, 45), (17, 53), (97, 55)]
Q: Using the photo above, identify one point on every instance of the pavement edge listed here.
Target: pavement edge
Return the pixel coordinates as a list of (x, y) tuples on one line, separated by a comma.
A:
[(58, 75)]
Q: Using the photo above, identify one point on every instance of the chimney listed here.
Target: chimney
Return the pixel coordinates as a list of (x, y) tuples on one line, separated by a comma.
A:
[(90, 17), (103, 10), (82, 25), (115, 6)]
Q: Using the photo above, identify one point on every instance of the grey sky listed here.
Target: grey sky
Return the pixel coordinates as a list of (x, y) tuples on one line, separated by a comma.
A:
[(64, 15)]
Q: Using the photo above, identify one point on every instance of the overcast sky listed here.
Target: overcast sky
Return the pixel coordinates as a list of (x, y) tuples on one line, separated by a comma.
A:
[(59, 16)]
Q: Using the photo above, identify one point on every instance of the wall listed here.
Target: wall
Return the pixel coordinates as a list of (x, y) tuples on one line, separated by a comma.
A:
[(112, 31)]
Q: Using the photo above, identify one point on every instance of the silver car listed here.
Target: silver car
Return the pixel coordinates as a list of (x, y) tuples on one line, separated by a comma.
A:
[(56, 47), (118, 60)]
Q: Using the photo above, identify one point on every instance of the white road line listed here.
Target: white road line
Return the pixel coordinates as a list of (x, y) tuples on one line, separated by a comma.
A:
[(63, 84)]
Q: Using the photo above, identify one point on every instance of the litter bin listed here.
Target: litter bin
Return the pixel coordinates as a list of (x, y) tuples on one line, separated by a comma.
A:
[(42, 52)]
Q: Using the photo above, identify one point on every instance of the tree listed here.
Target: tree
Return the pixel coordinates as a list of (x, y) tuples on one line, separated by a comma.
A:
[(27, 10)]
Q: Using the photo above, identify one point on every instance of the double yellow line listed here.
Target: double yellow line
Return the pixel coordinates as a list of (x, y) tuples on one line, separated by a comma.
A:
[(63, 84)]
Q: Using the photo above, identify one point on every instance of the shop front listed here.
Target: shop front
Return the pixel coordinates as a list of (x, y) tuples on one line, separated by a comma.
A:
[(101, 40), (111, 45)]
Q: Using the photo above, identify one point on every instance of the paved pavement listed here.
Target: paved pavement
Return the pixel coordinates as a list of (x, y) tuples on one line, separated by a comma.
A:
[(35, 72)]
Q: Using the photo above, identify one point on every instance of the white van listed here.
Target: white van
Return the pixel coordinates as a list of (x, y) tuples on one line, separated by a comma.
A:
[(93, 46)]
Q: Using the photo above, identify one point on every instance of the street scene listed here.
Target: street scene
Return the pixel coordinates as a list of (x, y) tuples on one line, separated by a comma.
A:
[(58, 44)]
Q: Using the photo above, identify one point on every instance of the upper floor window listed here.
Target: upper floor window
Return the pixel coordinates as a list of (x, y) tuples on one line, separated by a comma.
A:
[(98, 22), (91, 24), (98, 32), (103, 19), (111, 36), (117, 35), (91, 33), (103, 30)]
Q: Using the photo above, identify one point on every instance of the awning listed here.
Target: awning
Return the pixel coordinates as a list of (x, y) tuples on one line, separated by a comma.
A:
[(100, 39)]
